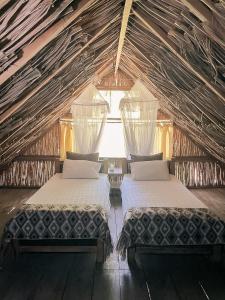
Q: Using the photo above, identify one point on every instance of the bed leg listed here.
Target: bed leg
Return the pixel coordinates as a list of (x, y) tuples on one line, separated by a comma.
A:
[(6, 246), (15, 246), (131, 255), (217, 253), (2, 254), (100, 255)]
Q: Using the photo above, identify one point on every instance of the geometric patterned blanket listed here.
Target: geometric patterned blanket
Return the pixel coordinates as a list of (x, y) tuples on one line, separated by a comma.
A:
[(158, 226), (35, 222)]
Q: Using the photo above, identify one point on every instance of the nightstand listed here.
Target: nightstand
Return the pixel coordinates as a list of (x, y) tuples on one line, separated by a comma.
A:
[(115, 176)]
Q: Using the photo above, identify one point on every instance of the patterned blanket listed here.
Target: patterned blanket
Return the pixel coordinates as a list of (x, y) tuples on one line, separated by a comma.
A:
[(169, 227), (59, 222)]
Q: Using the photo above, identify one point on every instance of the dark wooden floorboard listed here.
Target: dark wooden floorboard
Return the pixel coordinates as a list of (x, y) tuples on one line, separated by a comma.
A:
[(184, 274), (54, 275), (79, 282), (133, 284), (75, 276), (212, 280), (159, 280), (19, 279), (106, 285)]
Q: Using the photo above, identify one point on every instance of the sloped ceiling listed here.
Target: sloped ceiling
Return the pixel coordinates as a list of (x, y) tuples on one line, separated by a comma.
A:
[(51, 50)]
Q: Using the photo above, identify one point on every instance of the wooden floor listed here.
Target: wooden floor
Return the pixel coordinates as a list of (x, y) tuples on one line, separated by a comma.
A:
[(75, 276)]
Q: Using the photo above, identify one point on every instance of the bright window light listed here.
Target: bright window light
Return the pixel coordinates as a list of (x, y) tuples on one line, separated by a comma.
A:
[(112, 143), (113, 98)]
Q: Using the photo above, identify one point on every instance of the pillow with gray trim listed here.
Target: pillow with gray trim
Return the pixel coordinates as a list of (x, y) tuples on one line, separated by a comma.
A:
[(157, 156), (80, 156)]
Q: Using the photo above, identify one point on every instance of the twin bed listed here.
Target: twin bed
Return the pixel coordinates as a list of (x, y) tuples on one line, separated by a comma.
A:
[(158, 215), (164, 216), (64, 215)]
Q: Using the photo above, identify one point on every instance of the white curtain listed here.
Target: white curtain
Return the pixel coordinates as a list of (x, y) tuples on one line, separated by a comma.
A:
[(139, 115), (89, 116), (164, 139)]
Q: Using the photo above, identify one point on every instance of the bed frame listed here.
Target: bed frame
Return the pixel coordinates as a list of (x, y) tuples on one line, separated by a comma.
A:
[(54, 245), (215, 252)]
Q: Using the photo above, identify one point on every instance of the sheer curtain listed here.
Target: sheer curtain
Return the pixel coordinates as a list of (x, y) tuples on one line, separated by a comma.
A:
[(164, 140), (139, 115), (66, 138), (89, 116)]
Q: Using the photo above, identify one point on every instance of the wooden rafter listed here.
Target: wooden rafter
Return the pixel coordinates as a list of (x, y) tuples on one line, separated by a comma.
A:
[(17, 105), (32, 49), (126, 13), (199, 10), (158, 32)]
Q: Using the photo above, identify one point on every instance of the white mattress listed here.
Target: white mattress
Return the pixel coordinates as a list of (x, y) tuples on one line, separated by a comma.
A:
[(167, 193), (58, 190)]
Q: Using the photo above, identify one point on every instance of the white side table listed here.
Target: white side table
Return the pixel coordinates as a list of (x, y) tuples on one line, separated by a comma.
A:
[(115, 176)]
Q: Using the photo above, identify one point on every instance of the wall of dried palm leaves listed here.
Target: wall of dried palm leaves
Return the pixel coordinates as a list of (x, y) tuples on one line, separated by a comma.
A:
[(120, 81), (183, 145), (28, 173), (200, 173), (48, 144), (193, 166), (36, 164)]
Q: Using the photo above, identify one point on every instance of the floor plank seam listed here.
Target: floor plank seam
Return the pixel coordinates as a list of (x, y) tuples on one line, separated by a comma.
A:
[(203, 290), (93, 282), (67, 278), (146, 281)]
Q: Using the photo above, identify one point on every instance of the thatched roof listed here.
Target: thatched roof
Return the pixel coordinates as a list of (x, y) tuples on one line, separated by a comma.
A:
[(51, 50)]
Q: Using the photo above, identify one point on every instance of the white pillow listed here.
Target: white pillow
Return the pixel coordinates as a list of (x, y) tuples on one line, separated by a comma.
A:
[(80, 169), (150, 170)]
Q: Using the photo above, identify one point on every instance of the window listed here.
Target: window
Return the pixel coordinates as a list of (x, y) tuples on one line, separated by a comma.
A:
[(112, 143)]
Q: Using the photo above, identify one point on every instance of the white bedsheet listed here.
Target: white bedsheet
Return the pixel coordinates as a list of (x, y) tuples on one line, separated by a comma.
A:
[(167, 193), (74, 191)]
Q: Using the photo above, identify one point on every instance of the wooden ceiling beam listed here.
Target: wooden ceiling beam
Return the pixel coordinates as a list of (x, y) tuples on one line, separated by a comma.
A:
[(124, 23), (159, 33), (39, 43), (199, 10), (17, 105)]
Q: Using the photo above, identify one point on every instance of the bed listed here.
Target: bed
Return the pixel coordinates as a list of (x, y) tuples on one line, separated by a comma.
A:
[(165, 217), (64, 215)]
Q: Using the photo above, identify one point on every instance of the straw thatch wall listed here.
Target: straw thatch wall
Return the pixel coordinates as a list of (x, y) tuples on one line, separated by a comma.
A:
[(193, 166), (28, 173), (37, 163), (48, 144)]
